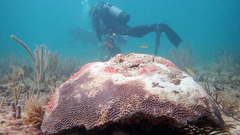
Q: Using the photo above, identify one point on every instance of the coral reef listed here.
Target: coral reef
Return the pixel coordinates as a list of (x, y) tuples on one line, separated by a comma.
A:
[(228, 105), (126, 90), (48, 68), (33, 113), (68, 66), (12, 124), (222, 77), (228, 60), (53, 64), (19, 81), (184, 57)]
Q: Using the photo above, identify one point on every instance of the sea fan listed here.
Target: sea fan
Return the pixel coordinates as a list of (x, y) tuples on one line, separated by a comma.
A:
[(33, 113)]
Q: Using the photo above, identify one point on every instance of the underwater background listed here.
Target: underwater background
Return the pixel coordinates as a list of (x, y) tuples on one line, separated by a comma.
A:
[(209, 25), (210, 47)]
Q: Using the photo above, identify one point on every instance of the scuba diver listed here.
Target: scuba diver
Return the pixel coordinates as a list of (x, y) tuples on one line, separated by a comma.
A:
[(110, 21)]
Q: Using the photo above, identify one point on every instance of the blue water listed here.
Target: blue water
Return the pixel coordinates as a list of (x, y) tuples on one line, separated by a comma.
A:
[(210, 25)]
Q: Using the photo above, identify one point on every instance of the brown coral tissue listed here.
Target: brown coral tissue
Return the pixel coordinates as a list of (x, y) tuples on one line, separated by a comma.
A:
[(33, 113)]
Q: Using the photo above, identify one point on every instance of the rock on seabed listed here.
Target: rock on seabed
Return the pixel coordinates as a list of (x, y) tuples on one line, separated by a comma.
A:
[(125, 90)]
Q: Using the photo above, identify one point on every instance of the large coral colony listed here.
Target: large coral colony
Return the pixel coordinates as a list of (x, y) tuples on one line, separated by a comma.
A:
[(129, 94)]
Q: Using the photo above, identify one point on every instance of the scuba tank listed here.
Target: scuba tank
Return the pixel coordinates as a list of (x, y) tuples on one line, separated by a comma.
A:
[(122, 16)]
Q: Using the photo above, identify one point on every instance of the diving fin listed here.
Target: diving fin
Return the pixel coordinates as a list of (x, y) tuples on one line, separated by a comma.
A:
[(172, 35)]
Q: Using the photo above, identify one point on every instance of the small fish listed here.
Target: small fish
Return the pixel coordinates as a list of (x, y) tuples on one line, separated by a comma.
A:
[(190, 71), (144, 46)]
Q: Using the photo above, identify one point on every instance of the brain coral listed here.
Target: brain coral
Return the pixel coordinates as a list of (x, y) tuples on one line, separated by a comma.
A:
[(127, 89)]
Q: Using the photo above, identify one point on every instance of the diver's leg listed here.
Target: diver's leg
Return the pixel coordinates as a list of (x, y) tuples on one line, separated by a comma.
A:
[(142, 30), (138, 31)]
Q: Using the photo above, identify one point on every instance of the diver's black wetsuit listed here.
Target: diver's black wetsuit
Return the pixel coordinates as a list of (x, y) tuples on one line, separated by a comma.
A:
[(113, 25), (105, 23)]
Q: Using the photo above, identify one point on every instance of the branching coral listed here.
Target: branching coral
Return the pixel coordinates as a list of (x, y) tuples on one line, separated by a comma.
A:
[(33, 113), (48, 68), (53, 63), (228, 60), (68, 66), (28, 70), (40, 63), (184, 57), (16, 71), (40, 68), (16, 92), (229, 108)]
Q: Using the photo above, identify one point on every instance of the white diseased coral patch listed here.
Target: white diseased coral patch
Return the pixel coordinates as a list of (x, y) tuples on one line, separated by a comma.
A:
[(163, 67)]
